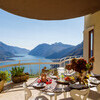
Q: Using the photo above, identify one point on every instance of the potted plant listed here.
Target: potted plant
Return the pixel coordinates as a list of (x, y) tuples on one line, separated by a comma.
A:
[(4, 77), (18, 75)]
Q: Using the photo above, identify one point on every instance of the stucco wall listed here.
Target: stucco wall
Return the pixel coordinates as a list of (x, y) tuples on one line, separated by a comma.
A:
[(92, 22)]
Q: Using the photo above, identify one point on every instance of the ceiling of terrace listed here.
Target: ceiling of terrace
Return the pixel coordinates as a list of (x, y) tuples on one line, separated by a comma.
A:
[(50, 9)]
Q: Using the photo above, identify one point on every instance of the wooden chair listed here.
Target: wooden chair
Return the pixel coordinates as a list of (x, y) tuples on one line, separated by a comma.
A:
[(28, 94), (79, 95), (98, 88)]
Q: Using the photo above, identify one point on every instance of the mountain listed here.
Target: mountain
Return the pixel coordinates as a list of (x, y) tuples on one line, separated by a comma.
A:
[(60, 54), (45, 50), (7, 51), (72, 51), (18, 50), (4, 55), (78, 50)]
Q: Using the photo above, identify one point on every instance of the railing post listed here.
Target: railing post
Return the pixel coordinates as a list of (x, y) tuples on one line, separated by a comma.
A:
[(19, 63), (64, 62), (39, 67), (69, 60), (30, 70), (60, 63)]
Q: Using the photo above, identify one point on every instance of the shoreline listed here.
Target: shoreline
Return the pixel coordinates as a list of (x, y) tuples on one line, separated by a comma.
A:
[(8, 58)]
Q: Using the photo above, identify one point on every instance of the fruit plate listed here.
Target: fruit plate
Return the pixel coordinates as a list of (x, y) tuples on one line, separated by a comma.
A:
[(39, 85), (63, 82)]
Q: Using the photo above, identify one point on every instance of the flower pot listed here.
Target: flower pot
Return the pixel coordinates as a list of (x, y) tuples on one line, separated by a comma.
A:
[(24, 78), (2, 85), (18, 79)]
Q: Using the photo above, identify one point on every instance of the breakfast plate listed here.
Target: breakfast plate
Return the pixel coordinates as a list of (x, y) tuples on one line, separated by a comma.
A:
[(39, 85)]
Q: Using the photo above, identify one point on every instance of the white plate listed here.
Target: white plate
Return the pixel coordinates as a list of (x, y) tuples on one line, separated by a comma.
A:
[(94, 80), (39, 85)]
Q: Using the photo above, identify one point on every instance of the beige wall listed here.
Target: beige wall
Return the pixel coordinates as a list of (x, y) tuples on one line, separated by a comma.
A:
[(92, 22)]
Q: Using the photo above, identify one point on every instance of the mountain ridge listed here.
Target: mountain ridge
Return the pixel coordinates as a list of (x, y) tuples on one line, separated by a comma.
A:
[(45, 50), (56, 51), (7, 51)]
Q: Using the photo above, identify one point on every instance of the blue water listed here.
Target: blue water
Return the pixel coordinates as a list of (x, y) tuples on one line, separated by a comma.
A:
[(32, 69)]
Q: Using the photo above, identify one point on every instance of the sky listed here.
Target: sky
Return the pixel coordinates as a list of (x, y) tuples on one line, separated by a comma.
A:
[(28, 33)]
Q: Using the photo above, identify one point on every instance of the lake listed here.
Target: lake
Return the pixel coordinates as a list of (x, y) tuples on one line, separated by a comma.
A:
[(32, 69)]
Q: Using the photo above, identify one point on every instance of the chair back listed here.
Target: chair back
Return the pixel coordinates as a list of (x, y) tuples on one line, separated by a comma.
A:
[(24, 85), (77, 94), (98, 88), (86, 93), (27, 92)]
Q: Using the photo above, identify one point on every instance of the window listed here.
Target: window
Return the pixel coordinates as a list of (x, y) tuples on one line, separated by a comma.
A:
[(91, 43)]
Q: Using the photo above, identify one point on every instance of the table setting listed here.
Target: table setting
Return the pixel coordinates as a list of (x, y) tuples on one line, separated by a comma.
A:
[(44, 82), (80, 80)]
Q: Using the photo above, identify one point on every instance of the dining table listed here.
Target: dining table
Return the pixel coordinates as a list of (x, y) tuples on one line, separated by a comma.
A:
[(58, 87)]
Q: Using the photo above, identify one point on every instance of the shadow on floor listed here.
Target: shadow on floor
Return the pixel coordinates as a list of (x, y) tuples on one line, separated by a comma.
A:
[(93, 95), (11, 87)]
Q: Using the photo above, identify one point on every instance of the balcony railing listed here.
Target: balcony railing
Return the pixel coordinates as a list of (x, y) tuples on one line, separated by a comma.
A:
[(34, 66)]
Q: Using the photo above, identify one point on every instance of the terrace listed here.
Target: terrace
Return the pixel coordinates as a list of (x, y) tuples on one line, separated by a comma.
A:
[(55, 10), (15, 91)]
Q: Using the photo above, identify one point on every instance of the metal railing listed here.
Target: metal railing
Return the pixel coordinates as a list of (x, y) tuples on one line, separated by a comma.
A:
[(36, 64)]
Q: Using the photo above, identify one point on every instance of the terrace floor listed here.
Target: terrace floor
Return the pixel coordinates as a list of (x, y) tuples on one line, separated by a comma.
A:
[(16, 92)]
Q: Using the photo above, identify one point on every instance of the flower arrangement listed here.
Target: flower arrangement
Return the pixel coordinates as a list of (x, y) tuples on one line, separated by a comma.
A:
[(91, 60), (90, 64), (74, 63), (81, 65), (83, 68), (69, 66)]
